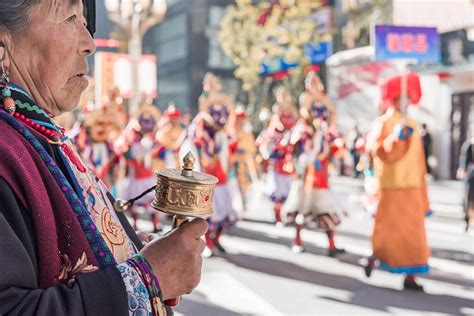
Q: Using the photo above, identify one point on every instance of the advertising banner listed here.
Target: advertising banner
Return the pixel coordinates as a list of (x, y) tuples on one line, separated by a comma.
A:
[(405, 42)]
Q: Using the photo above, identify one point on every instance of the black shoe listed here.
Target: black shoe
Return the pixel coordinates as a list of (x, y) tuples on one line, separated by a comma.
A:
[(219, 247), (410, 284), (335, 252), (369, 268)]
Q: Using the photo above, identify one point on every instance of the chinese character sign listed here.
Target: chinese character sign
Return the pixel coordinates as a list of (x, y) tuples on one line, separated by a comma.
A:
[(403, 42)]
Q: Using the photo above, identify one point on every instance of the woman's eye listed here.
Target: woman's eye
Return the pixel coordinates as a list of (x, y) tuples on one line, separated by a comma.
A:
[(72, 18)]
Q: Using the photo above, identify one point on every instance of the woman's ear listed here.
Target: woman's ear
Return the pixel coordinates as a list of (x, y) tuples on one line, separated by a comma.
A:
[(5, 48), (4, 59)]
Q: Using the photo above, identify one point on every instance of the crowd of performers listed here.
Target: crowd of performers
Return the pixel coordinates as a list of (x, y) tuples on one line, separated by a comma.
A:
[(291, 154)]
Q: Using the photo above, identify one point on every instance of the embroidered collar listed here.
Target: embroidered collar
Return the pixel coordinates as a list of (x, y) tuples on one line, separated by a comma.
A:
[(26, 105)]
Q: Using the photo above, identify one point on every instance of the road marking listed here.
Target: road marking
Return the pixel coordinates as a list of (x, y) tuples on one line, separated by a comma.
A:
[(221, 289)]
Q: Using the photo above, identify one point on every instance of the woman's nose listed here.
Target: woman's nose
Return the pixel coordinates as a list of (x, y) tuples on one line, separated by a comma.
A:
[(86, 42)]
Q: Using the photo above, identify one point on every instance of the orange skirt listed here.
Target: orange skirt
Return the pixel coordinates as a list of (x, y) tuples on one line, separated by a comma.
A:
[(399, 237)]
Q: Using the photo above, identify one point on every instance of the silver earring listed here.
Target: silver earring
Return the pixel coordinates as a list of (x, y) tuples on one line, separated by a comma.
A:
[(4, 74)]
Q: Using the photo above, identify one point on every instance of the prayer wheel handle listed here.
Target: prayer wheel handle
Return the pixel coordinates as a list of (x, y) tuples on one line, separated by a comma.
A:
[(178, 220)]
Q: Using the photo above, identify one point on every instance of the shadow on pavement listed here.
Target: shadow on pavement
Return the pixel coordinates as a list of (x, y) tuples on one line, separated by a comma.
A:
[(459, 256), (194, 308), (363, 294), (355, 259)]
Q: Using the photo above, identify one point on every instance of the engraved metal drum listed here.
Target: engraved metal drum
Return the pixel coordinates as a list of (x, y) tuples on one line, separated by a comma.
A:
[(184, 192)]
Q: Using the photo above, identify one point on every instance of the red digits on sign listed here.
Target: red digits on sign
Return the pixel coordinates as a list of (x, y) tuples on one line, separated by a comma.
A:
[(393, 42), (407, 42), (421, 43)]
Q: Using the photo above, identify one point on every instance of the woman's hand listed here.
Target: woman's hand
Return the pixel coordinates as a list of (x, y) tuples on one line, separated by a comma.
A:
[(145, 238), (176, 258)]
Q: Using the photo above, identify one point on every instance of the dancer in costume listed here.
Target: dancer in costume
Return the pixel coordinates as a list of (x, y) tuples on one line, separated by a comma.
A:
[(310, 198), (213, 142), (136, 147), (281, 151), (399, 238), (243, 152), (95, 141), (170, 136)]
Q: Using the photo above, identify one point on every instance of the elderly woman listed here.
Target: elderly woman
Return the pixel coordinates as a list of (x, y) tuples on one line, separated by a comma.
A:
[(63, 248)]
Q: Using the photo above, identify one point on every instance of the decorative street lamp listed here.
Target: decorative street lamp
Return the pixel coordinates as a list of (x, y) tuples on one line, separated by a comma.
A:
[(136, 17)]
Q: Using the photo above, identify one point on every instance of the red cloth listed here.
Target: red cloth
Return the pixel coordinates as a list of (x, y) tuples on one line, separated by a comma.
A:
[(141, 172), (233, 146), (320, 176), (392, 88), (217, 171), (37, 190)]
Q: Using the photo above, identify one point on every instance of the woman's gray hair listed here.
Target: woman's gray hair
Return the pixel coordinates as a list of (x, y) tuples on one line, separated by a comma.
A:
[(14, 14)]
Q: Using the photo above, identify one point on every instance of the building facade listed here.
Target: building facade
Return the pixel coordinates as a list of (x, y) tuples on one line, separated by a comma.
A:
[(187, 47)]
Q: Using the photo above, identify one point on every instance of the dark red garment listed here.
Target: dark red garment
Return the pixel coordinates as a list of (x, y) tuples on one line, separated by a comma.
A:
[(56, 228)]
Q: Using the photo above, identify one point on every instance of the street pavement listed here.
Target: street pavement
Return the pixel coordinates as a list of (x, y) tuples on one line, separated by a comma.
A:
[(260, 275)]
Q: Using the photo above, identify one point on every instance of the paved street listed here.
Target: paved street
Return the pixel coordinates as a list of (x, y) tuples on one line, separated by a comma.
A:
[(261, 276)]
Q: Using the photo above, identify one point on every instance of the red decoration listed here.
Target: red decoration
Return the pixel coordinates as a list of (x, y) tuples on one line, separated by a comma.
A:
[(240, 113), (280, 75), (172, 112), (444, 75), (391, 89), (312, 68)]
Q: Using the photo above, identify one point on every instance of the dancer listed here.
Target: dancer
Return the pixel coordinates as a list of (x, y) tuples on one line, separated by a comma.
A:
[(135, 147), (243, 153), (170, 136), (399, 238), (282, 153), (310, 197), (213, 143)]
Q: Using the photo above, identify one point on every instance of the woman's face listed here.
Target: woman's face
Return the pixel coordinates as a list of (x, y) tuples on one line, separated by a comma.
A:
[(50, 58)]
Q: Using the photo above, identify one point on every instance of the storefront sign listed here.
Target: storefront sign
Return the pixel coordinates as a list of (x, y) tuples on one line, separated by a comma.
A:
[(404, 42)]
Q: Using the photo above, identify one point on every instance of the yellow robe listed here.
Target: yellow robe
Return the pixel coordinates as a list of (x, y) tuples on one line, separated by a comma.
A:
[(245, 158), (399, 237)]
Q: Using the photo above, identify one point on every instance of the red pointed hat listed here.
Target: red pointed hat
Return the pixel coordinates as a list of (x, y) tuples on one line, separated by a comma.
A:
[(172, 112), (392, 88)]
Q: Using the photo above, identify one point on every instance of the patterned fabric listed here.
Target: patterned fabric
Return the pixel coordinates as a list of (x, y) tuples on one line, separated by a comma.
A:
[(87, 197), (102, 213), (145, 271), (138, 297), (102, 253), (84, 183)]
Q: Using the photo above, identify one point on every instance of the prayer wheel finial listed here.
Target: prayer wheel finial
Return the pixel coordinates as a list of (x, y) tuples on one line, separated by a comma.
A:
[(188, 165)]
